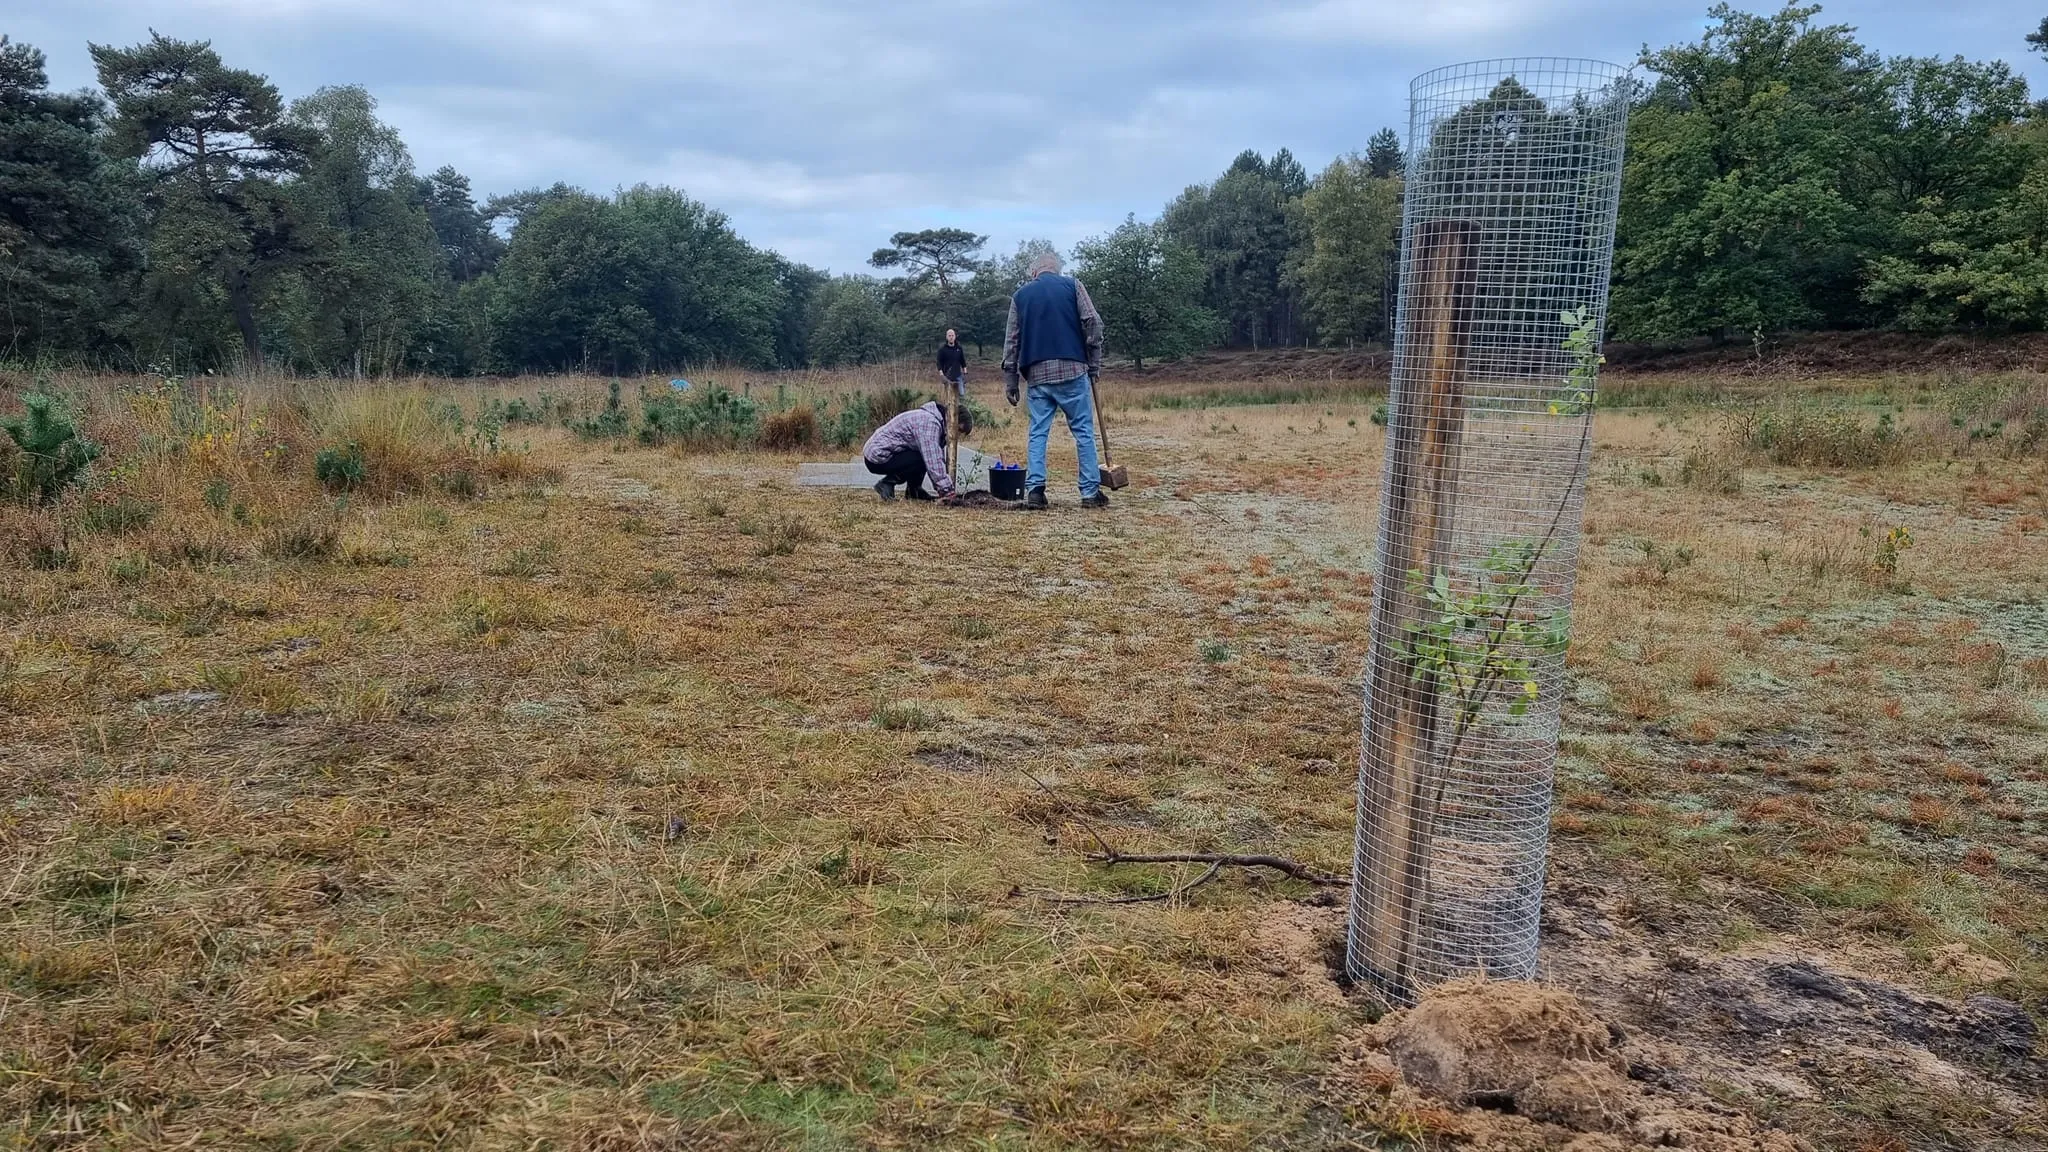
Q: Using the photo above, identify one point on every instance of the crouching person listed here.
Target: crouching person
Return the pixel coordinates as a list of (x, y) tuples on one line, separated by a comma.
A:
[(908, 449)]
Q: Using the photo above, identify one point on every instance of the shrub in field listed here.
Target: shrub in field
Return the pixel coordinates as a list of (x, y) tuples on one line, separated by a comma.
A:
[(49, 454), (1810, 437), (341, 468), (796, 428), (459, 481), (547, 408), (608, 423), (1886, 554), (1999, 415), (487, 432), (851, 424), (904, 716), (784, 535), (980, 415), (704, 417)]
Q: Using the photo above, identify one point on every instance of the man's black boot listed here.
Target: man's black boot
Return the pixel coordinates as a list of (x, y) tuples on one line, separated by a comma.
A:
[(1035, 498), (1099, 500)]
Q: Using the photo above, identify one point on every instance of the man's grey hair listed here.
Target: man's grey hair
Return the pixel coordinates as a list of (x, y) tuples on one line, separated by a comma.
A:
[(1043, 262)]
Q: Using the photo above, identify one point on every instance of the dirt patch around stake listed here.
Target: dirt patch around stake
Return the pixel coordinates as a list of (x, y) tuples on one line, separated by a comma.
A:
[(1538, 1071)]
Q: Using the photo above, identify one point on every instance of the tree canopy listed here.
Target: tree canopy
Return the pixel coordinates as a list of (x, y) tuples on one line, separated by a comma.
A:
[(1779, 175), (1148, 290)]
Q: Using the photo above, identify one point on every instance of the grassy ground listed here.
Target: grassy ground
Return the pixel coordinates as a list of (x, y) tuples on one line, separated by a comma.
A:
[(593, 796)]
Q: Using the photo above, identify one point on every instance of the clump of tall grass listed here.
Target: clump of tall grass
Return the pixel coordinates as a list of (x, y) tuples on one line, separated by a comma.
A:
[(1997, 414), (190, 472), (796, 428), (1805, 436), (1713, 471)]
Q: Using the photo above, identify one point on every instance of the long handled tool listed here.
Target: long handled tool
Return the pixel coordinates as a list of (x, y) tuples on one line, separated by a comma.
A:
[(1114, 476)]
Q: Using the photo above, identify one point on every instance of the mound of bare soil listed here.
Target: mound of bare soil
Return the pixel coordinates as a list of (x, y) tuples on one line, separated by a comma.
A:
[(1535, 1069)]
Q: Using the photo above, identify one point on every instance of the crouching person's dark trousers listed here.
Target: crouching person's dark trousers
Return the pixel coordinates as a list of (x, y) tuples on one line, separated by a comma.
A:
[(904, 466)]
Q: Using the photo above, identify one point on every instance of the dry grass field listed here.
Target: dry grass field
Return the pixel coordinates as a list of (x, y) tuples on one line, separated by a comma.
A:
[(582, 794)]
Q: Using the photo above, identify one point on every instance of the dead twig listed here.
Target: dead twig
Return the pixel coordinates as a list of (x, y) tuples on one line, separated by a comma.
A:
[(1217, 862), (1292, 868)]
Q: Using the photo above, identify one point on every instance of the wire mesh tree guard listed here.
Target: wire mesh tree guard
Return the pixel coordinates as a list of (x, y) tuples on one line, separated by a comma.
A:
[(1507, 240)]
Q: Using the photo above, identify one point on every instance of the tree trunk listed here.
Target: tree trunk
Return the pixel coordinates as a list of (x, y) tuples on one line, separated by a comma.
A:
[(242, 299)]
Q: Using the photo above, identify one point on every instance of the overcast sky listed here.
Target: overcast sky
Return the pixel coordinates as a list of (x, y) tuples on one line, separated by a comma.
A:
[(821, 127)]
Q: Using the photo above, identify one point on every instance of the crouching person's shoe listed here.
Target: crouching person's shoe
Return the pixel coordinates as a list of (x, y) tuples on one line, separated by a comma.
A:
[(1035, 498), (886, 489), (917, 492), (1099, 500)]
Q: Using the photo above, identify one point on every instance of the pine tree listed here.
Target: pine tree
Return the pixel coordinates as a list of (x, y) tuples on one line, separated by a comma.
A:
[(1383, 155), (214, 139), (68, 243)]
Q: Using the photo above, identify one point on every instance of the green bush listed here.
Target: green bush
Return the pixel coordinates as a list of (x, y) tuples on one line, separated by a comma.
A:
[(980, 415), (341, 469), (708, 416), (49, 453), (609, 424), (851, 424)]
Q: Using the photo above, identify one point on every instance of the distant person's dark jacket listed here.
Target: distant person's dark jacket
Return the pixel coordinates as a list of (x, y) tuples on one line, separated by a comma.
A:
[(952, 361)]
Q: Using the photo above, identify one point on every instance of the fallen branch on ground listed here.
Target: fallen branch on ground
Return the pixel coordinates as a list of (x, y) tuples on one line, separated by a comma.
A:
[(1293, 869), (1217, 862)]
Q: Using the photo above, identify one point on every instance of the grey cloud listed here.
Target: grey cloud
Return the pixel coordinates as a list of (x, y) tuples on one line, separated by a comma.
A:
[(820, 128)]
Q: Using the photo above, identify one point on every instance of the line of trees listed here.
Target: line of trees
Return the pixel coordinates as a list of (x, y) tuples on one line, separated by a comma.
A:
[(1779, 175)]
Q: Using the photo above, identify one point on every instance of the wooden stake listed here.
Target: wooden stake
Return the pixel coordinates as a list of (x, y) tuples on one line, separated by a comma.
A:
[(1402, 779)]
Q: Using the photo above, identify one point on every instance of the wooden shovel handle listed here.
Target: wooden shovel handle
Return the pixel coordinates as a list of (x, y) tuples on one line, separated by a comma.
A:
[(1101, 432)]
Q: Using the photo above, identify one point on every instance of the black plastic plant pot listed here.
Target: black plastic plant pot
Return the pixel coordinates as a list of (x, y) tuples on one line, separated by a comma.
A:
[(1006, 483)]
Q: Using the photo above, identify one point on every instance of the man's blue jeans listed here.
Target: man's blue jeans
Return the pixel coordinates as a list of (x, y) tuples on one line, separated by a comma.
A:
[(1072, 398)]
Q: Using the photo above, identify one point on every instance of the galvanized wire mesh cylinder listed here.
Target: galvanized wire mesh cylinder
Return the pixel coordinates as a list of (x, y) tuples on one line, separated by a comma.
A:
[(1507, 239)]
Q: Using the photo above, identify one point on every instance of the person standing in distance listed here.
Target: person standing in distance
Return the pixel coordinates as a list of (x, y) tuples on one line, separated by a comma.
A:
[(1054, 343), (953, 364)]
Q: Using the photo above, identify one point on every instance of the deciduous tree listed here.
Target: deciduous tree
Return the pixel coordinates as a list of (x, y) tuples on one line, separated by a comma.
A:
[(1148, 290), (1344, 266), (1738, 213)]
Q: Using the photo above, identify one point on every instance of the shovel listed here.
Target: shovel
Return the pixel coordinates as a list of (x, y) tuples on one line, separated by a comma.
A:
[(1114, 476)]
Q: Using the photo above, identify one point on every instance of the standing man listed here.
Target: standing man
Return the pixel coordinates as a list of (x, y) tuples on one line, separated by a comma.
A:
[(1054, 342), (909, 448), (953, 370), (953, 363)]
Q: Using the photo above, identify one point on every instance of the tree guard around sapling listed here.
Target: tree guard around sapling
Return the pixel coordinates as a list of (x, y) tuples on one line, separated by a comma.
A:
[(1507, 240)]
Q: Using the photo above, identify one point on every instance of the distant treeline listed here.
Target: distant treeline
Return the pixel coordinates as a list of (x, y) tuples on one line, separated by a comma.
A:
[(1779, 176)]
